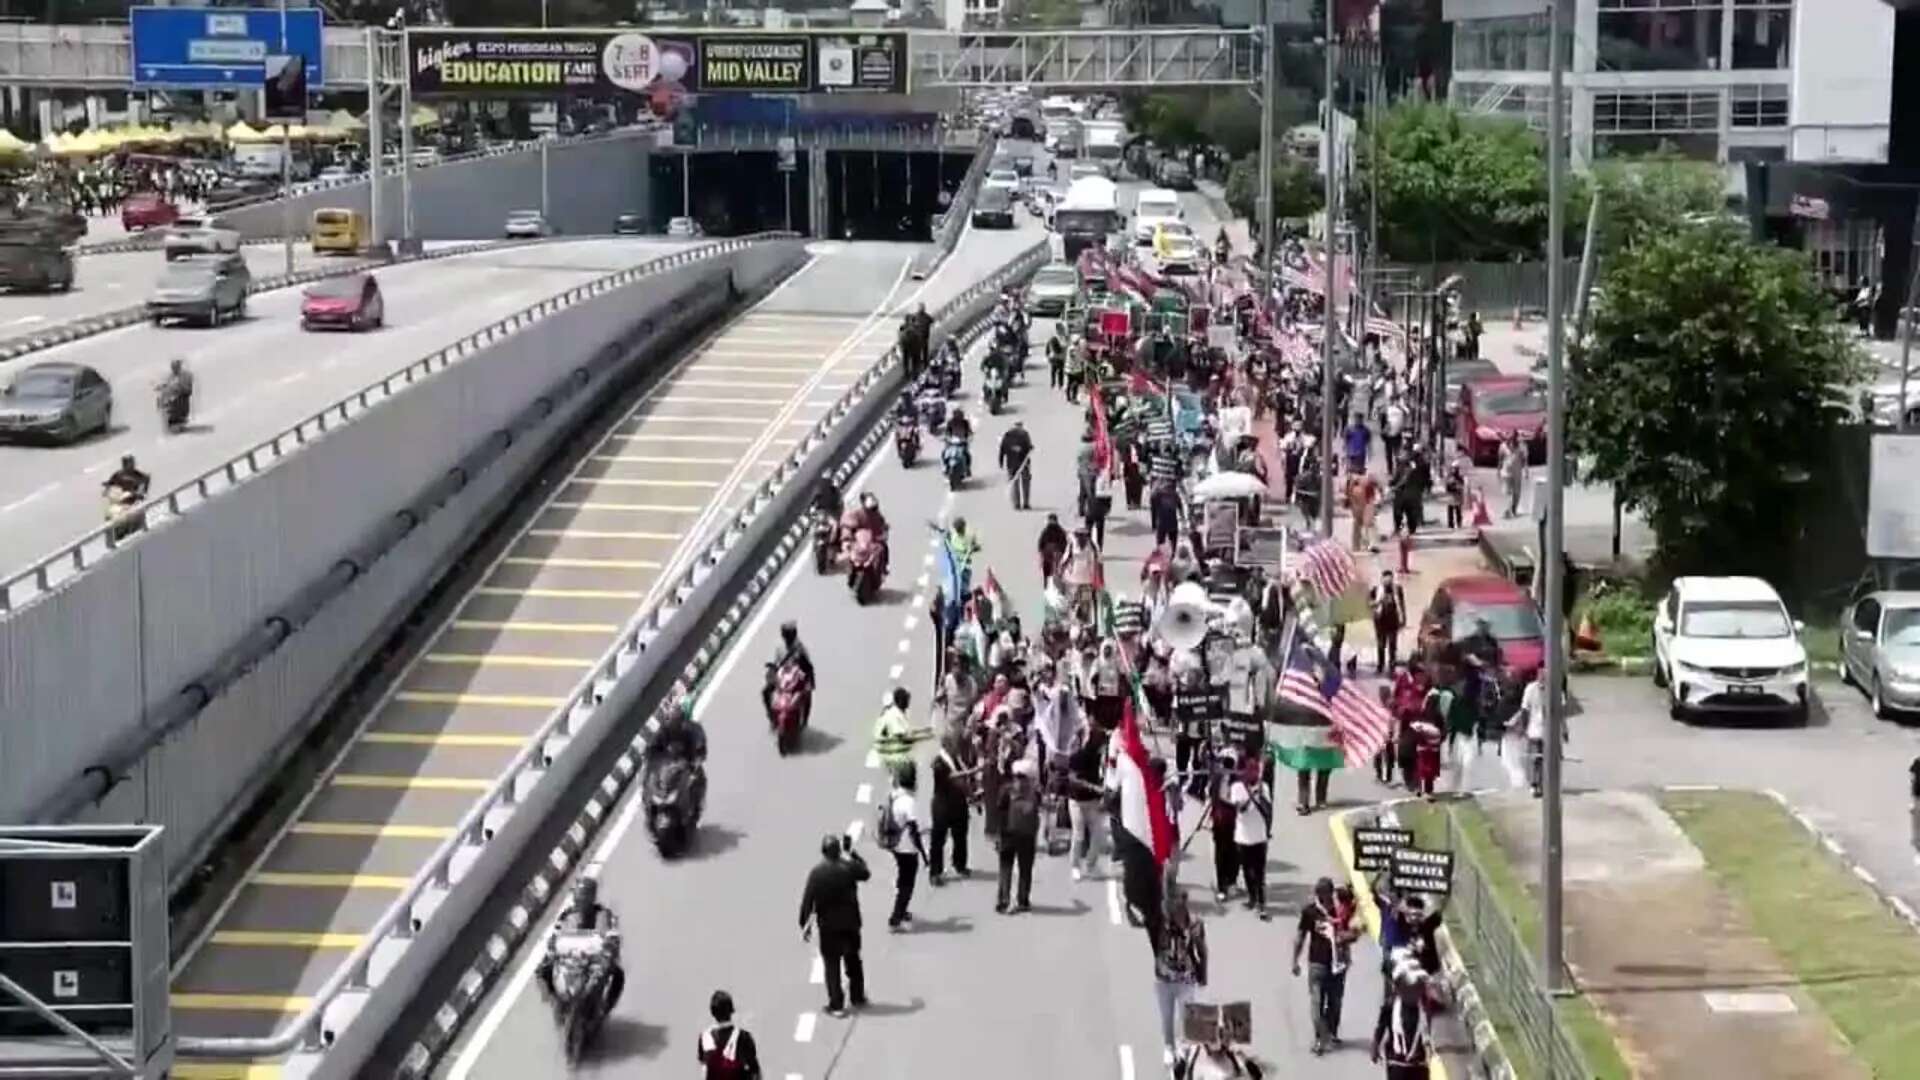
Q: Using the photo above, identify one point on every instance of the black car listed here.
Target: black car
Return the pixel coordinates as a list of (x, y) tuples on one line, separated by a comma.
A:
[(55, 402), (629, 224), (1174, 175), (1023, 165), (993, 209)]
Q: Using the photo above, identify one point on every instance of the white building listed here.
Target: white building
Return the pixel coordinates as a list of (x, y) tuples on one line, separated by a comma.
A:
[(1719, 80)]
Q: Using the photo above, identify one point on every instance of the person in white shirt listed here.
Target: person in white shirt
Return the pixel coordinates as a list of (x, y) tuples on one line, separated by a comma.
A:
[(1252, 802), (905, 842), (1527, 734), (1393, 432)]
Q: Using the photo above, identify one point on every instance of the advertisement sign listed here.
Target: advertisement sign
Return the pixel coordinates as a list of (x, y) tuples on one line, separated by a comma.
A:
[(213, 47), (508, 63)]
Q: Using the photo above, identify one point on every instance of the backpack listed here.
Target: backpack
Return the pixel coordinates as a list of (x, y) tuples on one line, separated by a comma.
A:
[(1023, 809), (721, 1060), (886, 827)]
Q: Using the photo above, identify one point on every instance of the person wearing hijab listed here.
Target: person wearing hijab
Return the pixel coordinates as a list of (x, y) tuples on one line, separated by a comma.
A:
[(1403, 1036)]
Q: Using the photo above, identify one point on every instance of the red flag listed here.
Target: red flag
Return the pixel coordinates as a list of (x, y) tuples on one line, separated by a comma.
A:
[(1139, 384), (1145, 829), (1102, 443)]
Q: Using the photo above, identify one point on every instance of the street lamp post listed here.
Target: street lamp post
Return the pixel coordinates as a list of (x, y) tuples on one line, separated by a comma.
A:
[(544, 140), (1329, 383), (286, 163), (1551, 554)]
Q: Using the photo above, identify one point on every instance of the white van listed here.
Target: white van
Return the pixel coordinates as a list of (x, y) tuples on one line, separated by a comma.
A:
[(1154, 206)]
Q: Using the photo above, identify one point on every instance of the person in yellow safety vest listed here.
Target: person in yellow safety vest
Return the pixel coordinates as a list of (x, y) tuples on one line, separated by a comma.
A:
[(964, 544), (893, 734)]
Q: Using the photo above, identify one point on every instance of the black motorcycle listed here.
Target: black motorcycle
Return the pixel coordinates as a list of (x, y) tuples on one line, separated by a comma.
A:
[(676, 794), (825, 540), (906, 442), (175, 405), (995, 390), (584, 972)]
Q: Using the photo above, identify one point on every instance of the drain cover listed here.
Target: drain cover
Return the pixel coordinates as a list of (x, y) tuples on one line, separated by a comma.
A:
[(1766, 1004)]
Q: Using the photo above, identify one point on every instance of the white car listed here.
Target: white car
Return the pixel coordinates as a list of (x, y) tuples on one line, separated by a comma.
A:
[(1155, 207), (1003, 178), (1727, 645), (334, 174), (684, 226), (200, 236), (523, 224), (425, 157)]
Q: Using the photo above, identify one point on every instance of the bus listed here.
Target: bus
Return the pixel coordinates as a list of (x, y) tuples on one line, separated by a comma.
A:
[(1087, 216)]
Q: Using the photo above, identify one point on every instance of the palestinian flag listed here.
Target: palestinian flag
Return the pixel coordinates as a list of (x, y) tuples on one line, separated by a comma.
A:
[(1144, 836), (996, 596), (970, 637)]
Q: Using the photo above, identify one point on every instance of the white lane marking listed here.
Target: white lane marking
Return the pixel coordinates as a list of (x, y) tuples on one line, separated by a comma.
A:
[(873, 759), (854, 830), (293, 378), (1126, 1062), (1113, 901), (932, 542), (894, 672), (921, 581), (905, 645), (817, 973), (910, 622), (803, 1028), (794, 1076), (928, 561), (863, 794), (36, 493), (102, 467), (25, 319)]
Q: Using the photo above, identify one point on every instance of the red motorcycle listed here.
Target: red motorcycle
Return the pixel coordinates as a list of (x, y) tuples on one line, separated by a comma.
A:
[(792, 697), (866, 565)]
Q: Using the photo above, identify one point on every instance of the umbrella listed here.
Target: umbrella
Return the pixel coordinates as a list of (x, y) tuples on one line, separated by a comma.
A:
[(1228, 485)]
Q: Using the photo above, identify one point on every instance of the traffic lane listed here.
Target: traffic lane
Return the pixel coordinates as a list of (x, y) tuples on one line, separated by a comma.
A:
[(1845, 770), (107, 283), (258, 377)]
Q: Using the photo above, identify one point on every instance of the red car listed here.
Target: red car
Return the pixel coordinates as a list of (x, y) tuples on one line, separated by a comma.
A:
[(1492, 409), (348, 302), (147, 210), (1460, 604)]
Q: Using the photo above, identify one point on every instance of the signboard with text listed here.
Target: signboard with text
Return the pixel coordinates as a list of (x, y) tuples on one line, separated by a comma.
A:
[(510, 63), (221, 47), (1416, 870), (1373, 848)]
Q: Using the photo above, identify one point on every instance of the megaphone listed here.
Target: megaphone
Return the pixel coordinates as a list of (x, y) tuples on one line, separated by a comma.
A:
[(1183, 623)]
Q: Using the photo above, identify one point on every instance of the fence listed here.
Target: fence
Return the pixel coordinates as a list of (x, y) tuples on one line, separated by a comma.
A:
[(1491, 288), (1505, 968)]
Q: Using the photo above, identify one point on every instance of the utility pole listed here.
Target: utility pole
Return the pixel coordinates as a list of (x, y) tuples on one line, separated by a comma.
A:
[(1265, 203), (544, 140), (1911, 315), (376, 110), (286, 161), (1329, 326), (1552, 553), (406, 138)]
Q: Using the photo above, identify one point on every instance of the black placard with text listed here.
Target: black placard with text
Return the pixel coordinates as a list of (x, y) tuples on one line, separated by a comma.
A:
[(1417, 870), (1373, 848)]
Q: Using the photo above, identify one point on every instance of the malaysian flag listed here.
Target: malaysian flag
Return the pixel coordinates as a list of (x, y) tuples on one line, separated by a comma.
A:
[(1314, 683), (1328, 568), (1384, 327)]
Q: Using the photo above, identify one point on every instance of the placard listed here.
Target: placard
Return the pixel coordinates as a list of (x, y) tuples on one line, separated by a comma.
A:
[(1373, 848), (1417, 870), (1117, 325), (1206, 1023)]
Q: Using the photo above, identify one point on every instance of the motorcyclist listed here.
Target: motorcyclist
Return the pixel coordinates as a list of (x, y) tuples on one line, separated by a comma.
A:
[(791, 651), (869, 517), (585, 913), (826, 499), (959, 432), (128, 478), (176, 391), (678, 737)]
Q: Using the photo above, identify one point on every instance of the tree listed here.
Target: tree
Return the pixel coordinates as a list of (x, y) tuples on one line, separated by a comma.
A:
[(1706, 393), (1454, 187), (1643, 197), (1296, 189), (1032, 13)]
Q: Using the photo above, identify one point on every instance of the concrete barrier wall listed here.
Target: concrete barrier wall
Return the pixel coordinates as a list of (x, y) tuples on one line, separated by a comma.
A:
[(141, 626), (588, 184)]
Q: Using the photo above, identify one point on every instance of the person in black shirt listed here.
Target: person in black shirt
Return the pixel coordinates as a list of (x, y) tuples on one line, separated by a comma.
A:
[(953, 771), (727, 1052), (1016, 447), (831, 901), (1327, 933), (1402, 1037)]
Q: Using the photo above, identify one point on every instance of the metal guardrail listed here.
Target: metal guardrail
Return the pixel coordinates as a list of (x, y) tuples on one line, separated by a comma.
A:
[(75, 557), (1505, 968), (407, 916), (953, 220)]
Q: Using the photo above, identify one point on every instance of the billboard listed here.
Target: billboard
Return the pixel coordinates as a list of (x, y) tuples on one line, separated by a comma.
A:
[(544, 63), (223, 47)]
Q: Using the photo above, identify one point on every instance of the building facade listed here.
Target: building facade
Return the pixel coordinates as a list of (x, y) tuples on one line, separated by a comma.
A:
[(1728, 81)]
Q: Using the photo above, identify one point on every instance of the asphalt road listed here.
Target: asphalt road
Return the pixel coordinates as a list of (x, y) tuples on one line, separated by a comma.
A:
[(257, 377), (1062, 992), (538, 619), (108, 283)]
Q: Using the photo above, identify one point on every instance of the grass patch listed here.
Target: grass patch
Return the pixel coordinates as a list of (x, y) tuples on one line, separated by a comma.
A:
[(1516, 900), (1622, 615), (1858, 961)]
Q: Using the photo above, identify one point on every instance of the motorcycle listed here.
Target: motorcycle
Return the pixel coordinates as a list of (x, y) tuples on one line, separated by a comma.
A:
[(933, 406), (955, 459), (996, 388), (676, 793), (175, 405), (583, 966), (123, 516), (791, 696), (825, 538), (906, 442), (866, 562)]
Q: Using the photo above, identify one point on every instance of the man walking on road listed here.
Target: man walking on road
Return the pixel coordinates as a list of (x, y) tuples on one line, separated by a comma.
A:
[(899, 833), (953, 773), (1016, 454), (726, 1051), (1019, 836), (831, 902), (1327, 936)]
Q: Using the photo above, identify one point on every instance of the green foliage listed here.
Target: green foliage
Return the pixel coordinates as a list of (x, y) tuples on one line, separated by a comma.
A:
[(1646, 197), (1296, 189), (1705, 393), (1454, 187), (1037, 13)]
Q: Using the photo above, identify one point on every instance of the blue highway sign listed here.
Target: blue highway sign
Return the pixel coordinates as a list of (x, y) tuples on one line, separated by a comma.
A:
[(215, 47)]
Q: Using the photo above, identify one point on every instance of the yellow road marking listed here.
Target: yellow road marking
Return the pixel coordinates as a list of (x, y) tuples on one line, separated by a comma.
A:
[(750, 369), (411, 783), (287, 939), (377, 831), (625, 481), (598, 534), (532, 628), (223, 1070), (440, 738), (648, 508), (457, 697), (561, 594), (656, 418), (582, 564), (506, 660), (741, 383), (678, 400), (291, 879), (655, 459), (273, 1003), (733, 440)]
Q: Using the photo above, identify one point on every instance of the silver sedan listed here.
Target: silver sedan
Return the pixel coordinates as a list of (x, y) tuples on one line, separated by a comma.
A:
[(1880, 650)]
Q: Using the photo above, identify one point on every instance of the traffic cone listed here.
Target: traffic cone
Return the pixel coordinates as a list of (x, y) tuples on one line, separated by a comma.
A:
[(1481, 519), (1586, 638)]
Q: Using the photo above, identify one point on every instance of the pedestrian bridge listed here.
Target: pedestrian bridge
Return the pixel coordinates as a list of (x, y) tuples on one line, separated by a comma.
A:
[(101, 57)]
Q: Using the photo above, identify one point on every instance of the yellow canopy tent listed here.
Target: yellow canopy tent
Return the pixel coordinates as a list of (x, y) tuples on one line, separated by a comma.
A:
[(11, 145), (425, 117), (241, 133), (85, 144), (345, 122)]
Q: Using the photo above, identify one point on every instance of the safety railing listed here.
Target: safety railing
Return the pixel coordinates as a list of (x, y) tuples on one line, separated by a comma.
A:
[(953, 220), (1504, 968), (408, 914), (897, 136), (75, 557)]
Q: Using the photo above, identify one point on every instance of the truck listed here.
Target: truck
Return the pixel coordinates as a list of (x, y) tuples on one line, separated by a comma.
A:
[(1103, 141), (1087, 216), (33, 249)]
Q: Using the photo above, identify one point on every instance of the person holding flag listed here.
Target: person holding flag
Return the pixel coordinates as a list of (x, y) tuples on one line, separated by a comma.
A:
[(1355, 725), (1144, 833)]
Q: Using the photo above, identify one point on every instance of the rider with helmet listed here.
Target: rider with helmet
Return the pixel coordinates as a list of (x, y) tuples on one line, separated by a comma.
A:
[(791, 651), (678, 736), (585, 914)]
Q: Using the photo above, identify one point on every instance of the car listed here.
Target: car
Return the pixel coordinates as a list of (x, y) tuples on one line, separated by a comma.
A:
[(1461, 371), (1880, 650), (1022, 127), (334, 174), (629, 224), (526, 224), (228, 193), (55, 402), (147, 210), (1172, 173), (197, 235), (1459, 605), (1492, 409), (425, 157), (201, 288), (1023, 165), (1053, 287), (348, 302), (32, 262), (1082, 169), (1002, 178), (1728, 645), (1179, 254), (993, 209), (684, 227)]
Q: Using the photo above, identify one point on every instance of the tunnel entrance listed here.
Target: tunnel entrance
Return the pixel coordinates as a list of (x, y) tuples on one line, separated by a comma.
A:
[(889, 195), (730, 193)]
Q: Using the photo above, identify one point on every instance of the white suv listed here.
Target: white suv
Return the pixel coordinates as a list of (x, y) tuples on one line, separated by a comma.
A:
[(1727, 644)]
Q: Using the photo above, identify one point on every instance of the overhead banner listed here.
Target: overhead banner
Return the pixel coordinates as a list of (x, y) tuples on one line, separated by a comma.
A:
[(516, 63)]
